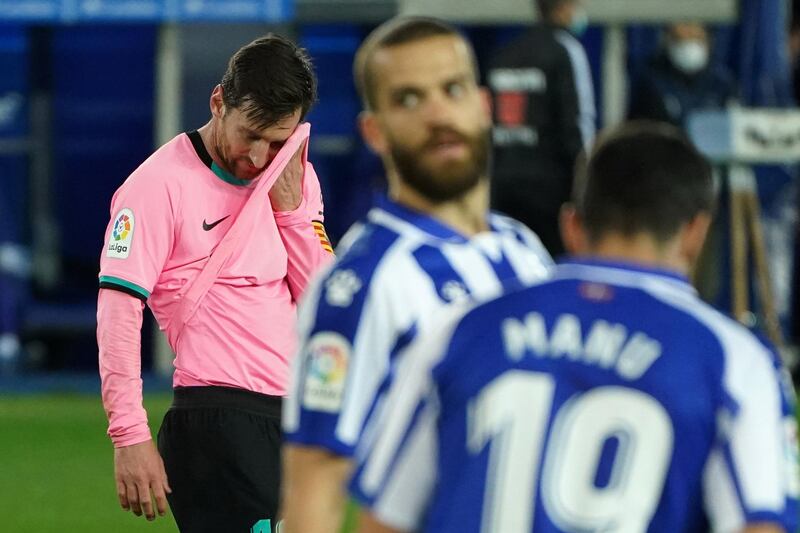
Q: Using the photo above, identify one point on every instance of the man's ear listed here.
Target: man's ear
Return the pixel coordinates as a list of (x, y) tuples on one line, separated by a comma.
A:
[(216, 102), (693, 237), (372, 133), (573, 234)]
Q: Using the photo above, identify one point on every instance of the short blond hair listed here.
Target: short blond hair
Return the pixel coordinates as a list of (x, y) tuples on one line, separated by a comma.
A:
[(394, 32)]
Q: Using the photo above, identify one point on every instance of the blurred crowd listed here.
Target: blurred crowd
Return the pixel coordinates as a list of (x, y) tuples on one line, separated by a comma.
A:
[(545, 116)]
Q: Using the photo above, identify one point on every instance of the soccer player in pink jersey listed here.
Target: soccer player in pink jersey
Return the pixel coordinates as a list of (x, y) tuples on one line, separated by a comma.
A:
[(220, 441)]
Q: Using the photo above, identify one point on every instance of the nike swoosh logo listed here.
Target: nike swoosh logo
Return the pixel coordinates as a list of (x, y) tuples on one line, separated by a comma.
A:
[(209, 227)]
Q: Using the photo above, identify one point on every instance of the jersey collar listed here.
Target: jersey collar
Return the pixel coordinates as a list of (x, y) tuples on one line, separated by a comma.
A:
[(586, 267), (420, 220), (205, 157), (427, 223)]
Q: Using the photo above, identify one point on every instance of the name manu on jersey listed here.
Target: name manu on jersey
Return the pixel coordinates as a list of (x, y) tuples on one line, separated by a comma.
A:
[(608, 345)]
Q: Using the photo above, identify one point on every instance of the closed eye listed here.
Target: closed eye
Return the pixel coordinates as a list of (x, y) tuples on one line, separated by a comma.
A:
[(250, 135)]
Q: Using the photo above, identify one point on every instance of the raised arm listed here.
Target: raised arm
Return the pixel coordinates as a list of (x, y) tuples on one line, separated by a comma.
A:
[(297, 202)]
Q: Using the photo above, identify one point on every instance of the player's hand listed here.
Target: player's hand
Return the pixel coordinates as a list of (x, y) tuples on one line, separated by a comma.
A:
[(140, 477), (287, 193)]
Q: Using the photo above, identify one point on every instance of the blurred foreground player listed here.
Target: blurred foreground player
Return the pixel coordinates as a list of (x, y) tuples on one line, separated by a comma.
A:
[(220, 440), (431, 243), (610, 398)]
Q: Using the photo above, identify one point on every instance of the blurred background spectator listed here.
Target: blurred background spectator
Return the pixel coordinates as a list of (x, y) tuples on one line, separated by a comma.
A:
[(681, 78), (544, 114)]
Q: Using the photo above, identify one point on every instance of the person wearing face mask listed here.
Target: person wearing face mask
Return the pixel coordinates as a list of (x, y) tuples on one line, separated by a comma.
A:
[(681, 78), (544, 116)]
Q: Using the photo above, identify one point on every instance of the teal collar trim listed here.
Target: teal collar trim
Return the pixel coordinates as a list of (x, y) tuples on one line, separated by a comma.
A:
[(227, 177), (205, 157)]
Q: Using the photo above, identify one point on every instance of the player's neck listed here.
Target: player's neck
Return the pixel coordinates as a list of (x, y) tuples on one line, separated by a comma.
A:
[(207, 134), (641, 249), (466, 214)]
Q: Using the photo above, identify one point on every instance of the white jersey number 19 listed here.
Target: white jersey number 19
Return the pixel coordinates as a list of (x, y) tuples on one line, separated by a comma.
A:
[(513, 411)]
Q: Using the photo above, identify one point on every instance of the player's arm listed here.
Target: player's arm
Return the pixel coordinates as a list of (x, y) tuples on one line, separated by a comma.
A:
[(394, 478), (313, 496), (396, 467), (139, 470), (315, 461), (139, 238), (297, 202), (343, 356), (751, 480)]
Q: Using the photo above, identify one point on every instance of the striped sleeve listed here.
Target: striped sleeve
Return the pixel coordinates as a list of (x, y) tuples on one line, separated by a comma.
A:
[(345, 338), (396, 470), (319, 230), (752, 474)]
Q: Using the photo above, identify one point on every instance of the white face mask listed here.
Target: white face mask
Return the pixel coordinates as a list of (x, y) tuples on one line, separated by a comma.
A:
[(688, 56)]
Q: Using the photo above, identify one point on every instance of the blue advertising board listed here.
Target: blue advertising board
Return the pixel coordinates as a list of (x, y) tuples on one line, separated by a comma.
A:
[(30, 10), (74, 11)]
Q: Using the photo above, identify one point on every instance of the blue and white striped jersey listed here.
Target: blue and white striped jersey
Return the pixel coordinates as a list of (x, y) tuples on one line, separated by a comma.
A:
[(392, 272), (609, 398)]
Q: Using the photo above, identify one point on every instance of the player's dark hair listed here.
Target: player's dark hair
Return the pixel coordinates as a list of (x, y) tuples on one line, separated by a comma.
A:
[(642, 177), (269, 79), (394, 32)]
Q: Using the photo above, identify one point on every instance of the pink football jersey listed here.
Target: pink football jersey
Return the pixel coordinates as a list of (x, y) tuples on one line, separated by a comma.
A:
[(167, 218)]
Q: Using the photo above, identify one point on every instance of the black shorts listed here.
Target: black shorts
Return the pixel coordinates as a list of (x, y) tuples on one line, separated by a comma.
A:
[(222, 453)]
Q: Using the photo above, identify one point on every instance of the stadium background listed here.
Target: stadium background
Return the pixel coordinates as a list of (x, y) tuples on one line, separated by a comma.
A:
[(90, 87)]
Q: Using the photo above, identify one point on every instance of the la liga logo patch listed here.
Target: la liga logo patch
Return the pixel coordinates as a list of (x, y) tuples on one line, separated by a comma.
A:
[(122, 227), (328, 356), (119, 243)]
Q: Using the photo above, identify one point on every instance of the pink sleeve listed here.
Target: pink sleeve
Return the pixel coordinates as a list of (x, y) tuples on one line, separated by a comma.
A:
[(303, 235), (119, 323), (140, 235)]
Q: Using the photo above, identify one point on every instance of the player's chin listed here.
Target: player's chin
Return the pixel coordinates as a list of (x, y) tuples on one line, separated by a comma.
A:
[(450, 169)]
